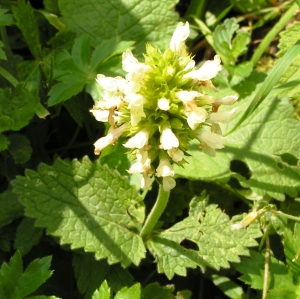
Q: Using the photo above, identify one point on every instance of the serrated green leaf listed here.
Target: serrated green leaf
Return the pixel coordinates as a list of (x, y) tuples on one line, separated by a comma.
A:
[(89, 273), (291, 243), (146, 21), (27, 236), (35, 275), (252, 269), (118, 278), (19, 148), (107, 49), (103, 293), (287, 39), (81, 51), (258, 142), (70, 86), (228, 46), (86, 205), (133, 292), (239, 72), (284, 287), (155, 291), (27, 23), (6, 19), (9, 275), (17, 107), (217, 244), (10, 208)]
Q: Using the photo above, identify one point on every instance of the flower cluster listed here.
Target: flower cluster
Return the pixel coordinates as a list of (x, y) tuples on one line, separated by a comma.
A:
[(161, 105)]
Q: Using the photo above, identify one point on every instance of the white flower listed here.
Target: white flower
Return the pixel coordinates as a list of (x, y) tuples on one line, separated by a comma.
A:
[(143, 164), (139, 140), (163, 104), (229, 100), (111, 84), (168, 183), (100, 115), (180, 34), (135, 105), (210, 141), (131, 65), (221, 117), (190, 65), (207, 71), (176, 154), (164, 168), (168, 139), (146, 181), (110, 138), (197, 116), (187, 96)]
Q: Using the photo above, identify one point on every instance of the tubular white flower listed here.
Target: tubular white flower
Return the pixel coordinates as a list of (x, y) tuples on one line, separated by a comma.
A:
[(138, 141), (187, 96), (212, 140), (221, 117), (176, 154), (196, 117), (100, 115), (163, 104), (168, 183), (135, 105), (110, 138), (131, 65), (168, 139), (229, 100), (146, 181), (207, 71), (164, 168), (107, 83), (180, 34), (143, 164)]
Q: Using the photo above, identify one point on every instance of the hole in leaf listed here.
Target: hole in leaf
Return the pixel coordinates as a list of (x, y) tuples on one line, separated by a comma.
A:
[(241, 168), (188, 244), (289, 159), (279, 165)]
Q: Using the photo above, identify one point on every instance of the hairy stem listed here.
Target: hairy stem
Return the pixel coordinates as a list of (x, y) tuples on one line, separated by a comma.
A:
[(267, 266), (156, 212)]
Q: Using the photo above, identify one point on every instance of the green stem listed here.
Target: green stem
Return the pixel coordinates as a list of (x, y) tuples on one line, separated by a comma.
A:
[(267, 268), (286, 215), (11, 79), (156, 212), (273, 32)]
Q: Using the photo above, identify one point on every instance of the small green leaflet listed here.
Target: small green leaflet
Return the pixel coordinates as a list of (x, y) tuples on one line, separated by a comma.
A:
[(14, 283)]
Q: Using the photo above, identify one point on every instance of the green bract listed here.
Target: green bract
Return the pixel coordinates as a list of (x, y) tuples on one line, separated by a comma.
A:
[(161, 105)]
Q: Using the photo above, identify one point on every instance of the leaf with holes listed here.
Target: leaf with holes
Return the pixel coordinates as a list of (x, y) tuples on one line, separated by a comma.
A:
[(210, 241), (86, 205)]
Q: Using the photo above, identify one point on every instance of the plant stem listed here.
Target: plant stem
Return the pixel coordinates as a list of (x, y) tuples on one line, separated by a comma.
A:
[(157, 210), (10, 78), (267, 265), (287, 216)]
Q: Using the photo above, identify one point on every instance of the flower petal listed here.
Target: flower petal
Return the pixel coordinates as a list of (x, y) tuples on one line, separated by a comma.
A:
[(180, 34), (207, 71), (168, 139)]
